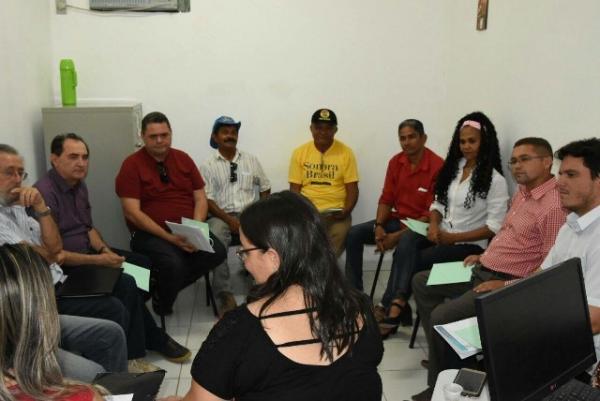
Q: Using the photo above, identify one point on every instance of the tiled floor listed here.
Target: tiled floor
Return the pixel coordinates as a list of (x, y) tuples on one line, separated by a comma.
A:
[(400, 369)]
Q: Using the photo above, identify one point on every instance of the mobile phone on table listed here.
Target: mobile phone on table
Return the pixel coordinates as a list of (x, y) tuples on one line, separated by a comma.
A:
[(471, 380)]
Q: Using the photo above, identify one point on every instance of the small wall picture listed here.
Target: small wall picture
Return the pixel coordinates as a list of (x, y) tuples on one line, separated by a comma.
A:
[(482, 15)]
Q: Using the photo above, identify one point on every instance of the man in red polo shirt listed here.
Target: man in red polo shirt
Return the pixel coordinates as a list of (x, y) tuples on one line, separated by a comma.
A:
[(157, 184), (407, 192)]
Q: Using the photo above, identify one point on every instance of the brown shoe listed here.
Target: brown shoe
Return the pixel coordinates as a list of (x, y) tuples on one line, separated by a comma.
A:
[(140, 365), (379, 312), (226, 302)]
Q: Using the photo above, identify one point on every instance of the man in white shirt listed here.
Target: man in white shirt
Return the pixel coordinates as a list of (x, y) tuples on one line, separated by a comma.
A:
[(579, 187), (232, 178)]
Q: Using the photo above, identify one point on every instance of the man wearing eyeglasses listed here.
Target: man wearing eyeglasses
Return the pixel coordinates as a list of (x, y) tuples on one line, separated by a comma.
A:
[(324, 170), (527, 234), (15, 200), (157, 184), (232, 179)]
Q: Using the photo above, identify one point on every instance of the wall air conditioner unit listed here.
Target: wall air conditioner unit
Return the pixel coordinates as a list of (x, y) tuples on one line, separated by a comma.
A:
[(141, 5)]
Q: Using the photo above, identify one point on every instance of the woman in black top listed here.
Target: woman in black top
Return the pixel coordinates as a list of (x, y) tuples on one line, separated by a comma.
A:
[(305, 334)]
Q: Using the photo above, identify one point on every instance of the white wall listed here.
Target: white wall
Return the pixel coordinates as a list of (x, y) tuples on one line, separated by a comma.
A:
[(271, 63), (25, 78)]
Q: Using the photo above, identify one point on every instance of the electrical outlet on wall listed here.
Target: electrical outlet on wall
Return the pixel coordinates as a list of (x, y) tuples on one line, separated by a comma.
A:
[(61, 6)]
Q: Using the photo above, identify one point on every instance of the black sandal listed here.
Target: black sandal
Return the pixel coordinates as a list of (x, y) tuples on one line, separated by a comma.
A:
[(404, 318)]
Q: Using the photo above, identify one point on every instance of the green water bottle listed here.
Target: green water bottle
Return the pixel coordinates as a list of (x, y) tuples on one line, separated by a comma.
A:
[(68, 82)]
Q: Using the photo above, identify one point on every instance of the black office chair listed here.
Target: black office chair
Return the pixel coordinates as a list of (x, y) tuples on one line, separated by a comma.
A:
[(415, 330), (376, 275), (235, 240), (210, 298)]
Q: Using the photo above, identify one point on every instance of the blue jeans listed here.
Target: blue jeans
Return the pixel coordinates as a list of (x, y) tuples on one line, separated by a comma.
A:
[(405, 264), (357, 237)]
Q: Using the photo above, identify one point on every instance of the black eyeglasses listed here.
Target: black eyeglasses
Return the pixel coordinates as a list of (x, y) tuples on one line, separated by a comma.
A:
[(242, 253), (162, 172), (232, 172)]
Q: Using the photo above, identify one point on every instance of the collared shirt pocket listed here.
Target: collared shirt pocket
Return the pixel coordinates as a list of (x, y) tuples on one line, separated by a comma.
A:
[(246, 179)]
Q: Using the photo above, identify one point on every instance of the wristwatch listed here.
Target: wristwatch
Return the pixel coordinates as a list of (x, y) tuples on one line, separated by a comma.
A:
[(377, 224), (45, 213)]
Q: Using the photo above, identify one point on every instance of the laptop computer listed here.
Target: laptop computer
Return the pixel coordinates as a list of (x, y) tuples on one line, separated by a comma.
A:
[(88, 281), (143, 386)]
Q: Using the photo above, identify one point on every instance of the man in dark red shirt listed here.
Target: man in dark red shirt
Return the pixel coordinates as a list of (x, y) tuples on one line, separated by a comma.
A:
[(157, 184), (407, 192)]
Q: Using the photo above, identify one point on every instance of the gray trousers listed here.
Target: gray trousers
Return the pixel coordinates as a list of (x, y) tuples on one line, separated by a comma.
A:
[(221, 281), (433, 311), (76, 367), (93, 345)]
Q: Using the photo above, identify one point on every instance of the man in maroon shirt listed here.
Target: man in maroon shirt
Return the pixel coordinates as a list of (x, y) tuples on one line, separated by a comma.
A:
[(407, 192), (158, 184)]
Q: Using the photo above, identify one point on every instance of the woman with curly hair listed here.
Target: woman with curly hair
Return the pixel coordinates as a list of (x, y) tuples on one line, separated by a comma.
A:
[(471, 199)]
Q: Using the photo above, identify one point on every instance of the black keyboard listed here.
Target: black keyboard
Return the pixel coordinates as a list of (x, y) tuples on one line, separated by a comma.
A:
[(575, 391)]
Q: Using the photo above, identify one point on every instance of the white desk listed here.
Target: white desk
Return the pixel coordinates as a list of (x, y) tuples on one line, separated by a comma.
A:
[(447, 376)]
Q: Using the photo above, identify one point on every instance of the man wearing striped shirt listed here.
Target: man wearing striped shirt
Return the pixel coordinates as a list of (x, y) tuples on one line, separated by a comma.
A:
[(518, 249), (232, 178)]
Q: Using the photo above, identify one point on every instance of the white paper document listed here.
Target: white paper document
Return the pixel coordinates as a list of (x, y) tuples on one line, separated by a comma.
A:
[(200, 224), (462, 335), (118, 397), (192, 234)]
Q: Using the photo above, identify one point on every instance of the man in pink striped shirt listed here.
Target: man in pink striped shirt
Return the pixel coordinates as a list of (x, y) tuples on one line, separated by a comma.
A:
[(518, 249)]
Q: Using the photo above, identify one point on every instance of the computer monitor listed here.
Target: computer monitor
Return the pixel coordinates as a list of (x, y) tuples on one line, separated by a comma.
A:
[(536, 333)]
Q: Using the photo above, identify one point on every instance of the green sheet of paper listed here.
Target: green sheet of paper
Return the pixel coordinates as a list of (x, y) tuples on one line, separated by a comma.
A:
[(141, 275), (449, 273), (470, 334), (195, 223), (417, 226)]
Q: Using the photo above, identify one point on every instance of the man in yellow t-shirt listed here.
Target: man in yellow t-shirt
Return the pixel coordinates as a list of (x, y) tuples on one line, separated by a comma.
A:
[(324, 170)]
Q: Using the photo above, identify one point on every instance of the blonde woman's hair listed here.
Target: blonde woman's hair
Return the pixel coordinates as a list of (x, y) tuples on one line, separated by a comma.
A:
[(29, 327)]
